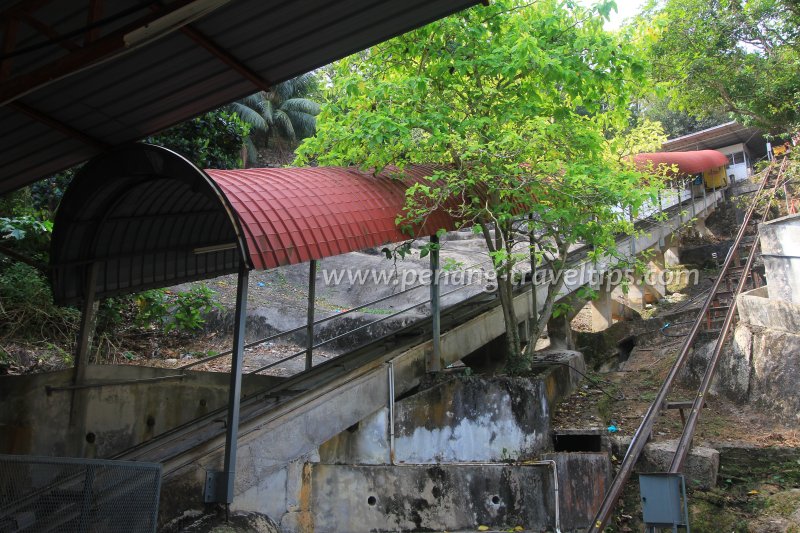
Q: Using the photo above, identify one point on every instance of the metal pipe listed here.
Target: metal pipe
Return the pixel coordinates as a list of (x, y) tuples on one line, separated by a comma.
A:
[(312, 284), (390, 372), (50, 389), (235, 389), (645, 429), (435, 358), (87, 324)]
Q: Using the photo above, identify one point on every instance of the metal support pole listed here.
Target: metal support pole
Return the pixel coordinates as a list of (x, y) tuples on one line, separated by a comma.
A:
[(390, 373), (312, 284), (632, 237), (224, 492), (705, 204), (79, 398), (661, 241), (691, 193), (435, 361), (87, 325)]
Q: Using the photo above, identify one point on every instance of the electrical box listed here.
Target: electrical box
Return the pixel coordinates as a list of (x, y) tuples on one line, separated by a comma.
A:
[(664, 503)]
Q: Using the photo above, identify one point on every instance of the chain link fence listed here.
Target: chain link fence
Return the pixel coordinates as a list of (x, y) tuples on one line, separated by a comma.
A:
[(39, 494)]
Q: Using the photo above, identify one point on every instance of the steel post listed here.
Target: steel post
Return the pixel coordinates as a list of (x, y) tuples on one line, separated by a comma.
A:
[(534, 302), (312, 284), (435, 359), (87, 325), (79, 399), (235, 389)]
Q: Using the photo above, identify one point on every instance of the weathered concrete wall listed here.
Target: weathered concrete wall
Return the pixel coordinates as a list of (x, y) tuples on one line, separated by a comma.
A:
[(429, 497), (762, 367), (473, 419), (34, 422), (780, 250), (583, 479), (465, 419)]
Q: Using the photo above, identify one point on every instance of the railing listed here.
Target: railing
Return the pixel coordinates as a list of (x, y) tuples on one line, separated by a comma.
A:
[(78, 495)]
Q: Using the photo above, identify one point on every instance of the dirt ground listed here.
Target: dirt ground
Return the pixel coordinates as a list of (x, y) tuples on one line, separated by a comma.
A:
[(758, 489)]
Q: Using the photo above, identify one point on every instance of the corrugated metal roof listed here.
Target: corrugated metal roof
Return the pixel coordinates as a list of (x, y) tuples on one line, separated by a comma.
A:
[(719, 137), (129, 93), (293, 215), (149, 218), (687, 162)]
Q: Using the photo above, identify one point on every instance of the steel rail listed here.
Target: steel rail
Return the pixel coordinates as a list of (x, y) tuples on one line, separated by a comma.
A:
[(320, 321), (280, 334), (645, 429), (685, 442), (359, 328)]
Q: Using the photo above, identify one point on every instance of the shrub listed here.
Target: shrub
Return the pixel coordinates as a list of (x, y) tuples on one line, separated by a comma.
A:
[(184, 312), (27, 309)]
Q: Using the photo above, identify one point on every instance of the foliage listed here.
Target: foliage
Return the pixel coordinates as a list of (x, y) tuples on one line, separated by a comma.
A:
[(27, 309), (212, 140), (285, 112), (184, 312), (27, 237), (646, 136), (677, 123), (47, 193), (517, 103), (740, 56)]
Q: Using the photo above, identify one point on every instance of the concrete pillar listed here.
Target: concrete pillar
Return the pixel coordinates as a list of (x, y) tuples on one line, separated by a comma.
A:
[(560, 333), (701, 229), (636, 295), (601, 309), (656, 275)]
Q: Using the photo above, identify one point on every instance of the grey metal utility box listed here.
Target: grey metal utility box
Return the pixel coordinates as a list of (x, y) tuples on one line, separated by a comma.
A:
[(663, 498)]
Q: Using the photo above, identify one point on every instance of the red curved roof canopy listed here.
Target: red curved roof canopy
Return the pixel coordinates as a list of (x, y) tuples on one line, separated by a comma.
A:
[(687, 162), (147, 217), (293, 215)]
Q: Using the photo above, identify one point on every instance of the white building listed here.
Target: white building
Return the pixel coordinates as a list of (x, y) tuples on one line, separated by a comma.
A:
[(743, 146)]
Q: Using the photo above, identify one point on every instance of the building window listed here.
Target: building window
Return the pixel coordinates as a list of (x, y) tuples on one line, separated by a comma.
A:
[(736, 159)]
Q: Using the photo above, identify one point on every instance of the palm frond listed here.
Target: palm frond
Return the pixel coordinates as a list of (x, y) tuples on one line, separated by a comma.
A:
[(304, 124), (301, 105), (252, 152), (283, 126), (250, 116)]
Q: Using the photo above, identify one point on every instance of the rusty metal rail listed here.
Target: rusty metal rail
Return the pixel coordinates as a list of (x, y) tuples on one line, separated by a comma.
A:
[(645, 429), (685, 442)]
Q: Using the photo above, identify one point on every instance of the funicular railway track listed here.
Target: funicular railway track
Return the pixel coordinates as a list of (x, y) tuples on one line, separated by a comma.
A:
[(718, 311), (185, 444)]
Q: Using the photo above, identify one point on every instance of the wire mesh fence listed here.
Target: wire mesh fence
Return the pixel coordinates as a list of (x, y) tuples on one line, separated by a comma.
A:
[(39, 494)]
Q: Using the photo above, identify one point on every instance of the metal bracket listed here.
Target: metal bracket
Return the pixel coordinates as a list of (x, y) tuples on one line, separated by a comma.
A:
[(215, 480)]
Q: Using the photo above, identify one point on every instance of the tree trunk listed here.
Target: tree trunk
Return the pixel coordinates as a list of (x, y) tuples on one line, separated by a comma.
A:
[(518, 362)]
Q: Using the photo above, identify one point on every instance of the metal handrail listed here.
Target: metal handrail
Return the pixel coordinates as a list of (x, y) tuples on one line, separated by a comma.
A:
[(320, 321), (364, 326), (645, 429)]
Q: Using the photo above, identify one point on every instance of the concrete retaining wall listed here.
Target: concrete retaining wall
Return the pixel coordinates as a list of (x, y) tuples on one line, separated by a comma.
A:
[(429, 497), (762, 366), (34, 422)]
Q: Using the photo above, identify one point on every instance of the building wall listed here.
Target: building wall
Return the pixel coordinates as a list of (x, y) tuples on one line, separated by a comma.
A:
[(742, 166)]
